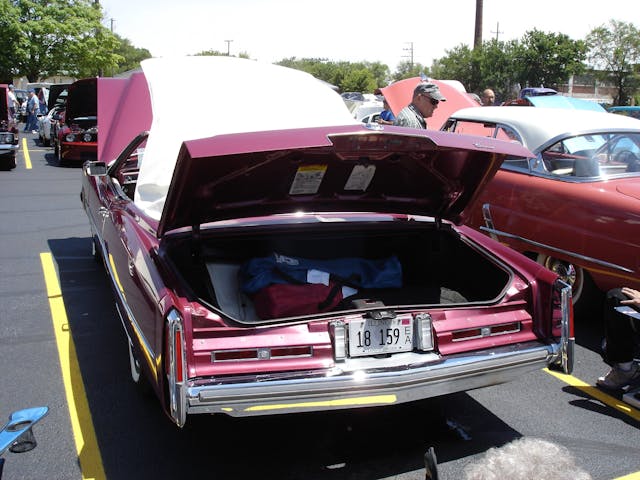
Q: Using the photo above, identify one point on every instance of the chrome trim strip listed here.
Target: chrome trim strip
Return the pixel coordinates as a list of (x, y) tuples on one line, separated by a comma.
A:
[(114, 286), (492, 232), (337, 388)]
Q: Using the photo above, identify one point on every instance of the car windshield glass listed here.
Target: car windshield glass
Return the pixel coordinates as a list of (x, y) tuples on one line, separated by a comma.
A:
[(594, 156)]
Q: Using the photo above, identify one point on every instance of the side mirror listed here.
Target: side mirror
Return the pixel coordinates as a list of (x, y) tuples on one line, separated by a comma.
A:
[(17, 435), (95, 169)]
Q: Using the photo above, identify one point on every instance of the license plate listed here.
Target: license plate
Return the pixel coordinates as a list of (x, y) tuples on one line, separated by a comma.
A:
[(374, 337)]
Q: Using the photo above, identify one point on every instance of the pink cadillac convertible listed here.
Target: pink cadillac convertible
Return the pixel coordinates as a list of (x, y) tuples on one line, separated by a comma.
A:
[(300, 263)]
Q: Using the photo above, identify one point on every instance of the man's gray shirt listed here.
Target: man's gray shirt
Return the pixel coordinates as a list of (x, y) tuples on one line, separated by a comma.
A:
[(409, 116)]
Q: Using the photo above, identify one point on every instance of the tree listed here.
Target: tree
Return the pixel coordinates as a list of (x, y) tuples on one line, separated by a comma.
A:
[(406, 69), (9, 40), (132, 56), (548, 59), (458, 64), (614, 53), (537, 59), (359, 76), (59, 37)]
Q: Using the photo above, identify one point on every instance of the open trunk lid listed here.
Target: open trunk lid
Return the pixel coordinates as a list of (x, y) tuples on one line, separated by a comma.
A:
[(330, 169)]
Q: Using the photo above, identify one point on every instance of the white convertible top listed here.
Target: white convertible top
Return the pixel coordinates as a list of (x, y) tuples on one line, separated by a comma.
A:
[(235, 95), (538, 125)]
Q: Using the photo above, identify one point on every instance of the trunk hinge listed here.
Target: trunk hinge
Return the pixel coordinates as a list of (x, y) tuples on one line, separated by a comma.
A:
[(438, 222), (195, 242)]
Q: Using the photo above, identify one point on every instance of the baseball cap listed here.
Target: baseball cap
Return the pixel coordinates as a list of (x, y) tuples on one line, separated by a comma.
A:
[(430, 89)]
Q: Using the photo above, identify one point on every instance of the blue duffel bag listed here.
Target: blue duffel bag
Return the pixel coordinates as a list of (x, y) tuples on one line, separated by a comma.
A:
[(354, 272)]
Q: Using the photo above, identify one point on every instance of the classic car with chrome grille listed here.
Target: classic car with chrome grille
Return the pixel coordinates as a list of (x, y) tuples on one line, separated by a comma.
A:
[(574, 205), (308, 262), (8, 133), (76, 137)]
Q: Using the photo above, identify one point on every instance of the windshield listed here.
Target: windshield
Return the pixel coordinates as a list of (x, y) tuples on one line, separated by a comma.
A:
[(596, 156)]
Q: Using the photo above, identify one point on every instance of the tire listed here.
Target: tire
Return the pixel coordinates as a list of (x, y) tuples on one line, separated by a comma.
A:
[(583, 290), (136, 373), (8, 163)]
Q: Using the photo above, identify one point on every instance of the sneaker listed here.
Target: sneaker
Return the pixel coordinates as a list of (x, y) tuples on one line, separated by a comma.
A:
[(618, 378)]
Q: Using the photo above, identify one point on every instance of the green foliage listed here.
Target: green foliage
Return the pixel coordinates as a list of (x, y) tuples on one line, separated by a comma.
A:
[(217, 53), (548, 59), (9, 40), (131, 56), (614, 52), (348, 77), (60, 37), (407, 69), (539, 58)]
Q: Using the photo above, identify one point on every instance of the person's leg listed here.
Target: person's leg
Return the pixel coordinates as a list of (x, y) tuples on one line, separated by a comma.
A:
[(620, 344), (619, 332)]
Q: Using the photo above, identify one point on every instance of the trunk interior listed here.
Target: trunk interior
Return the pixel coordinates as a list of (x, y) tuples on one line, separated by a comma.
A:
[(437, 266)]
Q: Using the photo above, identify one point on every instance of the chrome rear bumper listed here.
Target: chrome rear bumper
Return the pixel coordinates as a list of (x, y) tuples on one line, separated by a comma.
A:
[(339, 389)]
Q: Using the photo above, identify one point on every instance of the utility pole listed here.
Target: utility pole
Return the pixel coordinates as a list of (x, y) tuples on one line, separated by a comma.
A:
[(410, 50), (477, 39), (228, 47), (497, 32), (112, 21)]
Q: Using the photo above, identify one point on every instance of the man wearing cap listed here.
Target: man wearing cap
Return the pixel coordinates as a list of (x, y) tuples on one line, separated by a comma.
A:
[(426, 97)]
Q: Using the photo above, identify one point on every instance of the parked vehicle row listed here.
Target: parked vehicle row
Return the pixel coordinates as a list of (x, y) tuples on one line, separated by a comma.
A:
[(71, 124)]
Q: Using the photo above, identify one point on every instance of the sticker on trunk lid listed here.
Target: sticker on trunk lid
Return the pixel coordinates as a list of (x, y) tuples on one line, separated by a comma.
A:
[(308, 179)]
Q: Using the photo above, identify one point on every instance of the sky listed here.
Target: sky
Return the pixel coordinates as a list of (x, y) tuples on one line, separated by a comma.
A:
[(347, 30)]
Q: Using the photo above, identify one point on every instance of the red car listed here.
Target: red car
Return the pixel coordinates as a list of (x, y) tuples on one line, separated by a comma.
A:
[(574, 206), (75, 139), (260, 268), (8, 132)]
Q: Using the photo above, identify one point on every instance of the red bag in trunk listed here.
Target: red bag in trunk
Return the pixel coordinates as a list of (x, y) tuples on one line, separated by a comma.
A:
[(287, 300)]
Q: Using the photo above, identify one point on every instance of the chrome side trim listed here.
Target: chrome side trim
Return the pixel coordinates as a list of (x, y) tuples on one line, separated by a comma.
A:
[(493, 232), (144, 343), (337, 388)]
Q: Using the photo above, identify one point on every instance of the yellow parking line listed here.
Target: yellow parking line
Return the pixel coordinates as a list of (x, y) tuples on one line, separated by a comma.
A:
[(598, 394), (25, 152), (604, 398), (81, 421)]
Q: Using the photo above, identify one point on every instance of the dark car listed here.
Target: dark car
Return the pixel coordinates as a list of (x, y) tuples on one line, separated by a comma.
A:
[(8, 133), (76, 138), (314, 264)]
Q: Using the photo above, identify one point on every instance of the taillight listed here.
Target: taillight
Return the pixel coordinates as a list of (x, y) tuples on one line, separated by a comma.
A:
[(176, 367), (562, 311)]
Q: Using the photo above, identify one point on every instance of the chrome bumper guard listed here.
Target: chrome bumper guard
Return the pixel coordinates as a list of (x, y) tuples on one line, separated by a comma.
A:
[(345, 387)]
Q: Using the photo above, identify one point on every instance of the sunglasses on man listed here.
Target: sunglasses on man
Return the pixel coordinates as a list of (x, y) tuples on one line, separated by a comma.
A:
[(433, 101)]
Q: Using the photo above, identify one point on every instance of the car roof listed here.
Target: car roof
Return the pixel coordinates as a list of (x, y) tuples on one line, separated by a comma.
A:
[(538, 125)]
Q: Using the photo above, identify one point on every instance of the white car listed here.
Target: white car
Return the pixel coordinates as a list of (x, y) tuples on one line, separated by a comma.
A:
[(56, 104)]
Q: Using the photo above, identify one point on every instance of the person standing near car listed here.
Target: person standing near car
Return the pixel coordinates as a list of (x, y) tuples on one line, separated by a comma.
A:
[(386, 115), (33, 107), (426, 97), (12, 103), (621, 337), (488, 97)]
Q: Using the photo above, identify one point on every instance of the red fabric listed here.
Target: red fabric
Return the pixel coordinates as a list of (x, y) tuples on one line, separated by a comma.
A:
[(287, 300)]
